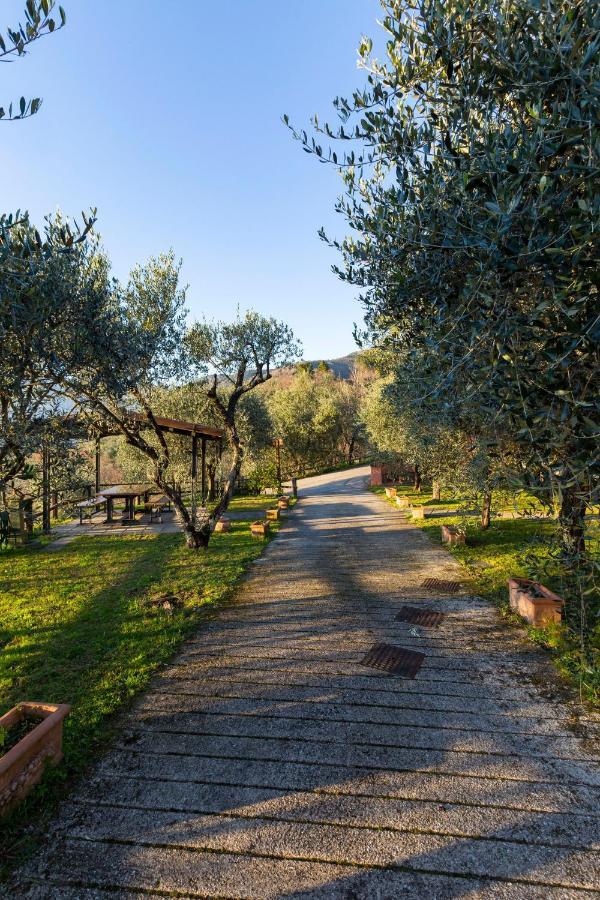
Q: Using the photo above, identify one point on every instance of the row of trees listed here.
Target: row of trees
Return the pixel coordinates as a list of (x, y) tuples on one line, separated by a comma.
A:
[(317, 417), (471, 175)]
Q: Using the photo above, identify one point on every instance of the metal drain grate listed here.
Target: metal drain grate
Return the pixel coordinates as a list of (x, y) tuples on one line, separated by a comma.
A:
[(437, 584), (428, 618), (393, 660)]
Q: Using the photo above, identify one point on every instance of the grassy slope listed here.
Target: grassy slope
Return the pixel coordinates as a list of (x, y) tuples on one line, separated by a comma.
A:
[(491, 557), (75, 627)]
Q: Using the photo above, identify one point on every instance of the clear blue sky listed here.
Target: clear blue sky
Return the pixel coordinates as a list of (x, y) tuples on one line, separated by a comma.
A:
[(166, 116)]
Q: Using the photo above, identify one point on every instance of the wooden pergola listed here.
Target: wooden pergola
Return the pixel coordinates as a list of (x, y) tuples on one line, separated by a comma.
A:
[(200, 436), (197, 432)]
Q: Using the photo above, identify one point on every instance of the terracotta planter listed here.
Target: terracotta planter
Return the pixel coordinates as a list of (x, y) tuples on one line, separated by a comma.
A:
[(402, 502), (452, 535), (418, 512), (390, 492), (376, 475), (283, 502), (260, 529), (537, 604), (273, 514), (22, 767), (223, 525)]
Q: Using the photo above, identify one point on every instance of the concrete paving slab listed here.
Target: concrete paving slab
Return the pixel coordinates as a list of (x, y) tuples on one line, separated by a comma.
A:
[(326, 691), (450, 854), (122, 868), (173, 715), (288, 779), (328, 758), (329, 708), (460, 820)]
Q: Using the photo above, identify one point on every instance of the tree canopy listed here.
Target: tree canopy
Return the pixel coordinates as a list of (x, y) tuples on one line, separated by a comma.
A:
[(473, 206)]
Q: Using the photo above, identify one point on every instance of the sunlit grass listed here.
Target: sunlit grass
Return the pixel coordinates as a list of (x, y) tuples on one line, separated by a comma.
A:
[(76, 627)]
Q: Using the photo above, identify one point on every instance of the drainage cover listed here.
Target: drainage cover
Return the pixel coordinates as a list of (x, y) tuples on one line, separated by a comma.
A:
[(437, 584), (428, 618), (394, 660)]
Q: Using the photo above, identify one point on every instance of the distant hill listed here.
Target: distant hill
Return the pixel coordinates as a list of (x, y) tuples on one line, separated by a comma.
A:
[(341, 367)]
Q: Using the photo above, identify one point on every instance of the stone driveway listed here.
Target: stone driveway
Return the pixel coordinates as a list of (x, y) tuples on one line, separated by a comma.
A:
[(267, 762)]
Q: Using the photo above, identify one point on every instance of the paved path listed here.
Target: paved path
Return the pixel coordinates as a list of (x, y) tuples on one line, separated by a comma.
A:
[(266, 762)]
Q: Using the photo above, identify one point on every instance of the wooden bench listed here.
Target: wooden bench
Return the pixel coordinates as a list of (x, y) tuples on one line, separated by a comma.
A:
[(158, 503), (88, 507)]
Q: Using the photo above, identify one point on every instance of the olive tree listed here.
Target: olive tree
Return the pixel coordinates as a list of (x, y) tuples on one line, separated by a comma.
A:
[(133, 344), (36, 306), (236, 357), (472, 199), (40, 18), (188, 401), (45, 288)]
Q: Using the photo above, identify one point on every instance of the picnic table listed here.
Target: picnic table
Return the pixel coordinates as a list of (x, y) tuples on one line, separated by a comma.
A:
[(129, 493), (89, 507)]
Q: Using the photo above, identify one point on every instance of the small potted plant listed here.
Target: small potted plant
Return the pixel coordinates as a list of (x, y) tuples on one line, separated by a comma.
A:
[(223, 524), (453, 535), (537, 604), (283, 502), (260, 528), (31, 738), (273, 514)]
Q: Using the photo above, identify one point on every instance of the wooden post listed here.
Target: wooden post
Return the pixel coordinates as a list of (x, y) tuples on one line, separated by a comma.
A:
[(54, 505), (294, 486), (45, 491), (203, 482), (26, 515), (194, 474), (97, 466), (277, 443)]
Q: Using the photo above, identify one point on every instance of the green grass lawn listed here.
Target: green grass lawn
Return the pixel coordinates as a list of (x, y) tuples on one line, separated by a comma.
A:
[(493, 555), (242, 504), (76, 626)]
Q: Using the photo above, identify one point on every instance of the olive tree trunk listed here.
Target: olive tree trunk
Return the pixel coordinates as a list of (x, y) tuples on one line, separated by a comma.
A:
[(572, 524), (486, 511), (417, 479), (211, 471)]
